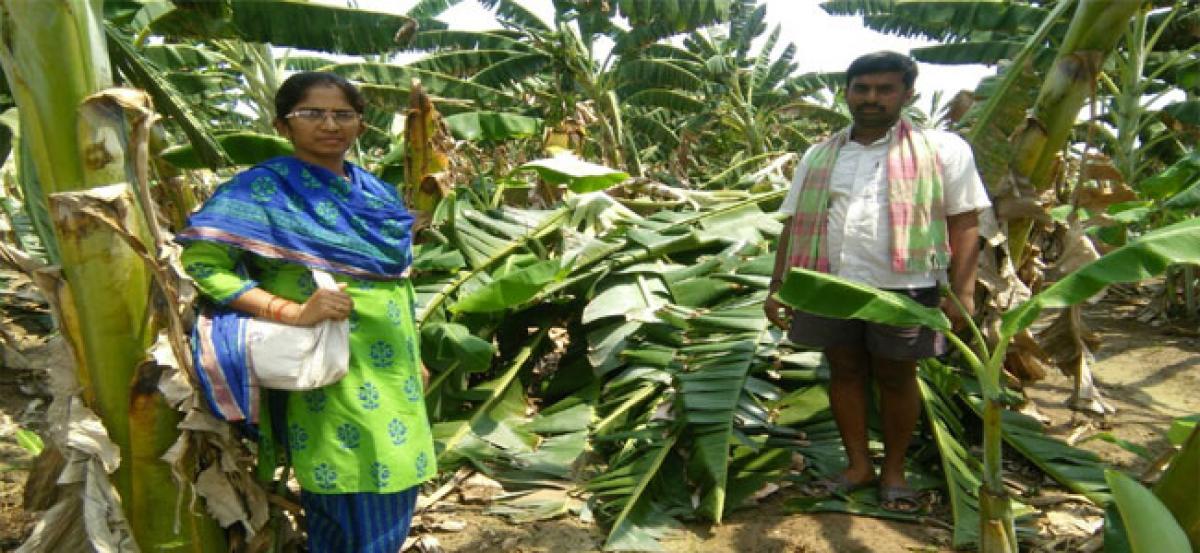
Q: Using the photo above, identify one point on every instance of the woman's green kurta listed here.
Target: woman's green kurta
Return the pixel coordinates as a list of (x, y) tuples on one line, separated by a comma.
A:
[(369, 432)]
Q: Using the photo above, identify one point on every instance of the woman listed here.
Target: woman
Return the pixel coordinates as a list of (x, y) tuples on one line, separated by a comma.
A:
[(361, 447)]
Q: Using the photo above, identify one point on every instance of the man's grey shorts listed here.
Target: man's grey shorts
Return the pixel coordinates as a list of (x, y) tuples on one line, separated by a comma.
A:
[(901, 343)]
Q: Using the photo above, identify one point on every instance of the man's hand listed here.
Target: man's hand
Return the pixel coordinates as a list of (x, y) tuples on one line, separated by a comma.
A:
[(963, 233), (776, 312), (957, 319)]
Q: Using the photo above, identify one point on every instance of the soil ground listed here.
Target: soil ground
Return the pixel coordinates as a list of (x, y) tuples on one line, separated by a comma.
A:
[(1150, 374)]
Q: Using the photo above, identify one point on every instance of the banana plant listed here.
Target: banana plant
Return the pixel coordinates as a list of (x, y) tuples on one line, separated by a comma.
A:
[(831, 296), (84, 158), (555, 62), (1142, 77)]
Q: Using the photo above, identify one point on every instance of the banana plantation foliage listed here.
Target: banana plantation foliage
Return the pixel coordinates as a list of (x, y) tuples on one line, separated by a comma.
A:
[(596, 202)]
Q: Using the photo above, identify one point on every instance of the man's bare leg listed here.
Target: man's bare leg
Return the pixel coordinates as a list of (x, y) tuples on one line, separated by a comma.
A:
[(900, 405), (849, 375)]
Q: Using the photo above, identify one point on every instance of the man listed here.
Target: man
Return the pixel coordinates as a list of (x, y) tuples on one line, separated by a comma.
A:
[(895, 207)]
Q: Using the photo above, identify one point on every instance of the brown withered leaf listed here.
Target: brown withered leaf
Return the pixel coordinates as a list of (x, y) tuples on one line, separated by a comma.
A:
[(1101, 197)]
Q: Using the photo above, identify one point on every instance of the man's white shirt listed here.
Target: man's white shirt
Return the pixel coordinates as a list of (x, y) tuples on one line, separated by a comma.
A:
[(859, 230)]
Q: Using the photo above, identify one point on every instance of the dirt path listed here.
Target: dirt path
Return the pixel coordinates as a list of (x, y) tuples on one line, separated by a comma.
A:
[(1150, 374)]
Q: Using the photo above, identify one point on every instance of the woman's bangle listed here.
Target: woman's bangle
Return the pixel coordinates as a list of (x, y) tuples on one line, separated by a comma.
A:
[(265, 312), (278, 314)]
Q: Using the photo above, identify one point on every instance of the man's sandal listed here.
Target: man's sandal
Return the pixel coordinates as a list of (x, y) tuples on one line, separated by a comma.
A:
[(900, 499), (836, 485)]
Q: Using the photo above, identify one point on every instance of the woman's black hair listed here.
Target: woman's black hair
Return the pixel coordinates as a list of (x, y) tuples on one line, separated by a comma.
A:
[(884, 62), (293, 90)]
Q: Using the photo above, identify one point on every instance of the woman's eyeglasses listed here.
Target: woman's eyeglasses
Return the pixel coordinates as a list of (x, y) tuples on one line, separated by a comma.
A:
[(314, 115)]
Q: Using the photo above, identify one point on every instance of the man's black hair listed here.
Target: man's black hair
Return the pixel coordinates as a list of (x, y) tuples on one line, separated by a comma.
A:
[(883, 62), (293, 90)]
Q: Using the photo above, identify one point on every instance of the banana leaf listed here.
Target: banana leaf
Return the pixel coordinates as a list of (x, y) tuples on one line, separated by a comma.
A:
[(1174, 179), (651, 21), (1178, 485), (960, 469), (1187, 112), (1078, 470), (304, 25), (632, 481), (1181, 428), (1149, 526), (830, 296), (509, 290), (495, 419), (750, 469), (206, 148), (492, 126), (579, 175), (632, 297), (451, 346), (1140, 259), (709, 389), (244, 148)]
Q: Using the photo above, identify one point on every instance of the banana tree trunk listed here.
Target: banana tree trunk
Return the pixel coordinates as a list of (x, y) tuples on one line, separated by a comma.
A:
[(105, 311), (1094, 31), (997, 533)]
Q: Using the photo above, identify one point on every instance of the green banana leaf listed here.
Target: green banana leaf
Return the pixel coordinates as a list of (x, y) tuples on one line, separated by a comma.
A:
[(830, 296), (1078, 470), (961, 469), (709, 391), (244, 148), (1149, 526), (509, 290), (653, 21), (400, 77), (451, 346), (496, 417), (1178, 486), (641, 521), (1174, 179), (30, 441), (1187, 112), (1181, 428), (631, 297), (298, 24), (579, 175), (1116, 538), (491, 126), (205, 148), (940, 20), (182, 56)]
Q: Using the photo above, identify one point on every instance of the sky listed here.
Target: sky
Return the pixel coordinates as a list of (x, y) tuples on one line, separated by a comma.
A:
[(823, 42)]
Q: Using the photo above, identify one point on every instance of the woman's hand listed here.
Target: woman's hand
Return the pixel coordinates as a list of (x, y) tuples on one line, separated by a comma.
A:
[(322, 305)]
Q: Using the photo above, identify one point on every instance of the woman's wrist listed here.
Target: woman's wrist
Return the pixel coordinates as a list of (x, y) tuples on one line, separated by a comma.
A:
[(265, 312), (289, 313)]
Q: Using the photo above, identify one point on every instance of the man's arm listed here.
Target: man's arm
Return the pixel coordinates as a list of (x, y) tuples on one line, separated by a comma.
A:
[(773, 308), (963, 231)]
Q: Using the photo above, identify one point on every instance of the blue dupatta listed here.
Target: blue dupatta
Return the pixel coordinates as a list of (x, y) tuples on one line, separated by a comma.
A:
[(294, 211)]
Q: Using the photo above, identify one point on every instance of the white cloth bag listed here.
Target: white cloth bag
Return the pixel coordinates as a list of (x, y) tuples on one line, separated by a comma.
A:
[(286, 357)]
